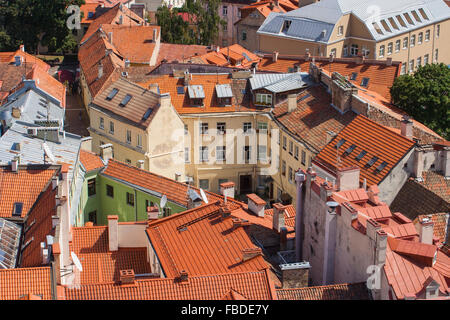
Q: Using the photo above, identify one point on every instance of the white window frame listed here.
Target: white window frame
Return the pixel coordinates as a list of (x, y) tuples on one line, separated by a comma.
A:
[(222, 151), (102, 123)]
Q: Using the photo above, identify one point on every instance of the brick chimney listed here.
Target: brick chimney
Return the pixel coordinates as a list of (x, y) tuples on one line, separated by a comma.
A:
[(250, 253), (225, 211), (227, 189), (275, 56), (256, 204), (278, 216), (127, 276), (425, 229), (183, 277), (106, 152), (348, 178), (113, 232), (342, 92), (292, 102), (406, 127)]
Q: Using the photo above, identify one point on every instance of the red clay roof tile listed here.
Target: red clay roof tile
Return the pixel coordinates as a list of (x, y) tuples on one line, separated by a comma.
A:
[(15, 283), (352, 291), (90, 161)]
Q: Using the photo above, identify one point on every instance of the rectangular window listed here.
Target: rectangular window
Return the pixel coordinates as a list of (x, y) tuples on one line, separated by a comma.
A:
[(244, 35), (139, 141), (291, 147), (186, 131), (296, 153), (264, 99), (345, 51), (427, 35), (436, 53), (438, 30), (262, 127), (204, 184), (425, 59), (110, 191), (203, 128), (247, 154), (221, 127), (403, 70), (340, 30), (186, 155), (130, 199), (148, 203), (419, 62), (111, 127), (283, 168), (220, 153), (91, 187), (397, 46), (167, 211), (93, 217), (203, 154), (224, 10), (303, 157), (382, 51), (354, 50), (291, 175), (411, 66), (284, 143), (333, 52), (390, 46), (129, 136), (102, 123), (247, 127), (412, 42), (405, 43), (262, 152), (420, 38)]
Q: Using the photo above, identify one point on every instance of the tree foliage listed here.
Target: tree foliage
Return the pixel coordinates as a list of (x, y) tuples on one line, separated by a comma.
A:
[(425, 96), (31, 22), (202, 29)]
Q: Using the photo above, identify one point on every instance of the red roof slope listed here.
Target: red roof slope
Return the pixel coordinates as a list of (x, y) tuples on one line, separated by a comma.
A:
[(24, 186), (377, 140), (15, 283), (351, 291), (210, 244), (251, 285), (90, 161)]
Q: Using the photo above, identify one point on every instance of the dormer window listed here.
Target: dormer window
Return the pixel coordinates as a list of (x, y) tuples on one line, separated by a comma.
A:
[(224, 94), (196, 95), (365, 82), (286, 25), (17, 209)]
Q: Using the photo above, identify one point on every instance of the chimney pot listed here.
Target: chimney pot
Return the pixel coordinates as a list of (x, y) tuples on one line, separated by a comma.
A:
[(278, 216), (406, 127), (227, 189), (106, 152), (127, 276)]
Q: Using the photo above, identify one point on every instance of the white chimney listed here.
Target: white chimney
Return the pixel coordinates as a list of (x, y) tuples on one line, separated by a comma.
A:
[(155, 35), (15, 164), (278, 216), (406, 127), (292, 102), (140, 164), (275, 56), (113, 232), (227, 189), (425, 229), (106, 151), (348, 178), (256, 204), (100, 70)]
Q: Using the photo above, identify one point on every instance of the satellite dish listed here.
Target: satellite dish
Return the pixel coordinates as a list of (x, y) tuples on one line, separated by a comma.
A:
[(163, 202), (76, 261), (204, 198)]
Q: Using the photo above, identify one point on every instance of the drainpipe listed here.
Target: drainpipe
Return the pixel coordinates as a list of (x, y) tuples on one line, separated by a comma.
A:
[(135, 205), (299, 179)]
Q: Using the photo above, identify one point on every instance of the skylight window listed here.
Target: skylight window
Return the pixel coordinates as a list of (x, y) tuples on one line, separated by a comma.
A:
[(365, 82), (180, 90), (371, 162), (381, 167), (147, 114), (385, 25), (393, 24), (377, 28), (416, 16), (112, 94), (349, 150), (400, 20), (361, 155), (353, 76), (286, 25), (340, 143), (17, 209), (424, 15), (408, 18), (125, 100)]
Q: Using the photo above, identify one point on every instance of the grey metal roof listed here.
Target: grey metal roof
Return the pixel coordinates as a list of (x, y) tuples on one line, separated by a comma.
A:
[(196, 91), (278, 82), (35, 107), (32, 150), (224, 91)]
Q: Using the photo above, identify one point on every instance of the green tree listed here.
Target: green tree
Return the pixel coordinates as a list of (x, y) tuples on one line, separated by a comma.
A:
[(31, 22), (208, 21), (425, 96), (173, 28)]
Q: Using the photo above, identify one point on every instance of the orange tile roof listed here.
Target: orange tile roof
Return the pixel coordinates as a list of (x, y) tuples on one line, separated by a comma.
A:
[(351, 291), (230, 56), (175, 191), (210, 244), (50, 85), (440, 225), (134, 43), (313, 117), (179, 52), (249, 285), (91, 244), (27, 58), (90, 160), (85, 9), (381, 75), (15, 283), (257, 200), (40, 225), (266, 7), (24, 186), (367, 135), (289, 216)]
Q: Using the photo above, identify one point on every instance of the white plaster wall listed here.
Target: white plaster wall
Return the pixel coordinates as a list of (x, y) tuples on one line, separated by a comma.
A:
[(132, 235)]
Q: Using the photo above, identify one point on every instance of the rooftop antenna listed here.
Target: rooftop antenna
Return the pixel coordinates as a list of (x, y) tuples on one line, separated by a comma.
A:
[(204, 198)]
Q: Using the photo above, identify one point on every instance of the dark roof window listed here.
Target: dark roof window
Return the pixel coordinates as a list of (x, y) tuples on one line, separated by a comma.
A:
[(125, 100), (354, 75), (180, 90), (112, 94), (349, 150), (17, 210), (147, 114), (340, 143), (365, 82), (361, 155), (381, 167), (371, 162)]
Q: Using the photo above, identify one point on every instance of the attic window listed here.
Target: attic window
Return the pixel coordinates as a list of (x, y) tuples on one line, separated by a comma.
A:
[(365, 82), (371, 162), (377, 28), (340, 143), (381, 167), (408, 18), (147, 114), (125, 100), (349, 150), (394, 25), (286, 25), (385, 25), (400, 20), (354, 75), (424, 15), (17, 209), (112, 94), (180, 90), (416, 16), (361, 155)]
